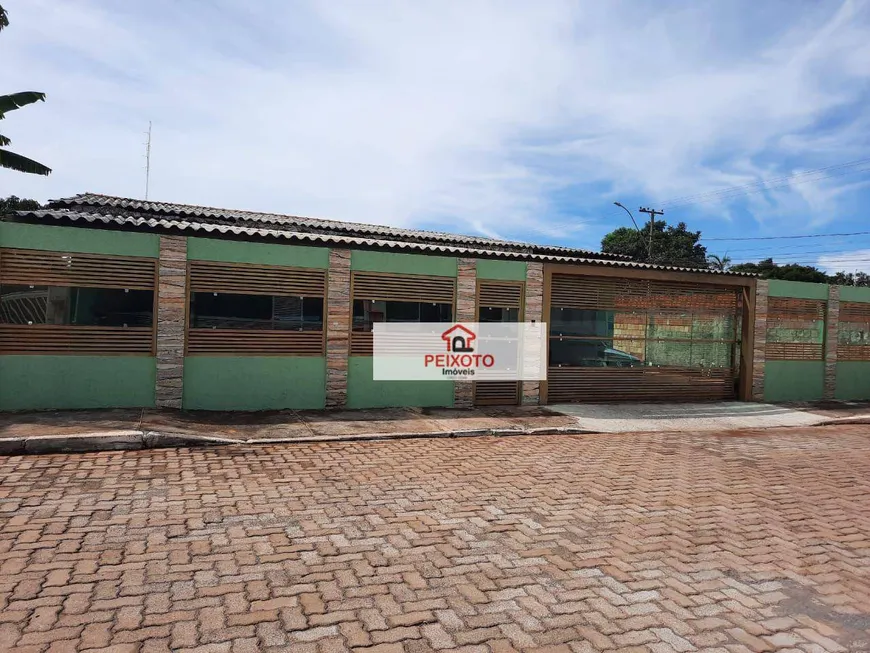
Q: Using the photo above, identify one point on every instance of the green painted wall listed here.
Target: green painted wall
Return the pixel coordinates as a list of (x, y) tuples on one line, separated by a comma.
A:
[(440, 266), (363, 392), (43, 382), (853, 380), (234, 251), (854, 294), (798, 289), (794, 380), (76, 239), (254, 382), (501, 270)]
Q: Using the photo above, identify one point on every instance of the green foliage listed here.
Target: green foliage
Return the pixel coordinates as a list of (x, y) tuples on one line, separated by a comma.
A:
[(720, 263), (767, 269), (17, 100), (670, 245), (12, 203), (851, 279), (8, 103)]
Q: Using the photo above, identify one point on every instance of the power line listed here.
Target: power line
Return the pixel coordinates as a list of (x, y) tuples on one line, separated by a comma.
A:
[(854, 233), (772, 183)]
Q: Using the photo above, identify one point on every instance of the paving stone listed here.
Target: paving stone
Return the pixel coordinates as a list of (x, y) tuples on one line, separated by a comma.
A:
[(644, 542)]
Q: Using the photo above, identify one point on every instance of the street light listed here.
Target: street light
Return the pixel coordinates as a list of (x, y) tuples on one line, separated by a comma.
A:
[(629, 215)]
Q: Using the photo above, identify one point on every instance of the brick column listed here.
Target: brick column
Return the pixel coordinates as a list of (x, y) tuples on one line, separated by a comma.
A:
[(337, 327), (171, 312), (466, 300), (832, 324), (533, 311), (760, 340)]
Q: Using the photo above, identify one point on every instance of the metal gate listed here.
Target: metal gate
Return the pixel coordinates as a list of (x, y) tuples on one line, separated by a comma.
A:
[(498, 301), (614, 339)]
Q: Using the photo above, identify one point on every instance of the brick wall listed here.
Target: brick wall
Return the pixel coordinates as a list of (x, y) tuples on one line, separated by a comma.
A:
[(466, 300), (534, 313), (171, 312), (338, 312), (759, 340)]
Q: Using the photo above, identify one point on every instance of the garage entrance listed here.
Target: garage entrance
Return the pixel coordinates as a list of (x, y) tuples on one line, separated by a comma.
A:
[(618, 339)]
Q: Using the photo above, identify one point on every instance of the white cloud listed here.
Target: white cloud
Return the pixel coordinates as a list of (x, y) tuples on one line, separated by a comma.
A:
[(471, 115), (849, 261)]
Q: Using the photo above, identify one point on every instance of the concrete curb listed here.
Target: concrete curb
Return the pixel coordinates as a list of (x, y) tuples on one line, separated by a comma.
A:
[(136, 439), (859, 419), (130, 440)]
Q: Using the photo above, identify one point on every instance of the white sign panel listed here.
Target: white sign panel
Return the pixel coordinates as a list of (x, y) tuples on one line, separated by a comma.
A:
[(467, 351)]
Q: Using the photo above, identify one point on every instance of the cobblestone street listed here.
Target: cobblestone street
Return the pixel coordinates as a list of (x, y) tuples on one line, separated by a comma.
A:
[(632, 543)]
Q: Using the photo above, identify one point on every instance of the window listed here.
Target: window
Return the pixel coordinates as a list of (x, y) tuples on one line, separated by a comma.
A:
[(490, 314), (239, 309), (581, 322), (72, 303), (411, 298), (367, 312), (212, 310), (76, 306), (854, 332), (795, 329)]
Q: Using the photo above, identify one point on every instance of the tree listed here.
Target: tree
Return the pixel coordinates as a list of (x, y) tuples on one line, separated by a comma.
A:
[(767, 269), (670, 245), (11, 204), (851, 279), (9, 103), (720, 263)]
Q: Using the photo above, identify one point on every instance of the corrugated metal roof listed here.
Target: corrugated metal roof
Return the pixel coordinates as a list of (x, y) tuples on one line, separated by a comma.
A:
[(205, 228), (97, 203)]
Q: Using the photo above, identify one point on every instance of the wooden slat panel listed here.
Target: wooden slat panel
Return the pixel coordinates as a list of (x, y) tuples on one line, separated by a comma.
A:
[(608, 384), (406, 287), (790, 309), (62, 339), (854, 332), (796, 351), (500, 294), (853, 352), (854, 312), (213, 276), (795, 329), (249, 342), (362, 343), (42, 268), (604, 293), (496, 393)]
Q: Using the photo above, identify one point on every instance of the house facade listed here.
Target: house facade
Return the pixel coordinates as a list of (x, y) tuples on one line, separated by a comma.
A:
[(114, 302)]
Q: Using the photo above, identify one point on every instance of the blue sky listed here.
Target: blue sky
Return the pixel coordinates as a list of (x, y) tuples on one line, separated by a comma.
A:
[(518, 119)]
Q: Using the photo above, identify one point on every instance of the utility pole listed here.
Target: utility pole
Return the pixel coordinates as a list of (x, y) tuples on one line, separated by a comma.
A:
[(148, 160), (652, 217)]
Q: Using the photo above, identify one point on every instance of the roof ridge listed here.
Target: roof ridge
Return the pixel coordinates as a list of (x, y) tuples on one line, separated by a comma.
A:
[(101, 200)]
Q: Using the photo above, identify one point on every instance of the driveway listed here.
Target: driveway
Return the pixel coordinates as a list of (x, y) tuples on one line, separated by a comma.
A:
[(635, 543)]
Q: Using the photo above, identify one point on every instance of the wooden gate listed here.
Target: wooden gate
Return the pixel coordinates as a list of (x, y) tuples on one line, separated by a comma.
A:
[(618, 339)]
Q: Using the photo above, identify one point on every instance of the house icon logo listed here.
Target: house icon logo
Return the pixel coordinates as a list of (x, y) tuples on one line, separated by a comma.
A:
[(459, 339)]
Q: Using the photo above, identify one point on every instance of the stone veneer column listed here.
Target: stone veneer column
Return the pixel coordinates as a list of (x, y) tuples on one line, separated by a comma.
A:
[(337, 327), (534, 311), (466, 301), (832, 325), (171, 313), (759, 340)]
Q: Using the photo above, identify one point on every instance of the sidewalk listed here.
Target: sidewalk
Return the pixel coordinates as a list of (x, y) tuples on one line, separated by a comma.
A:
[(94, 430), (89, 430)]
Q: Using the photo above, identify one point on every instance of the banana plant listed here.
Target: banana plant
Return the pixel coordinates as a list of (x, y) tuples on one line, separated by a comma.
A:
[(9, 103)]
